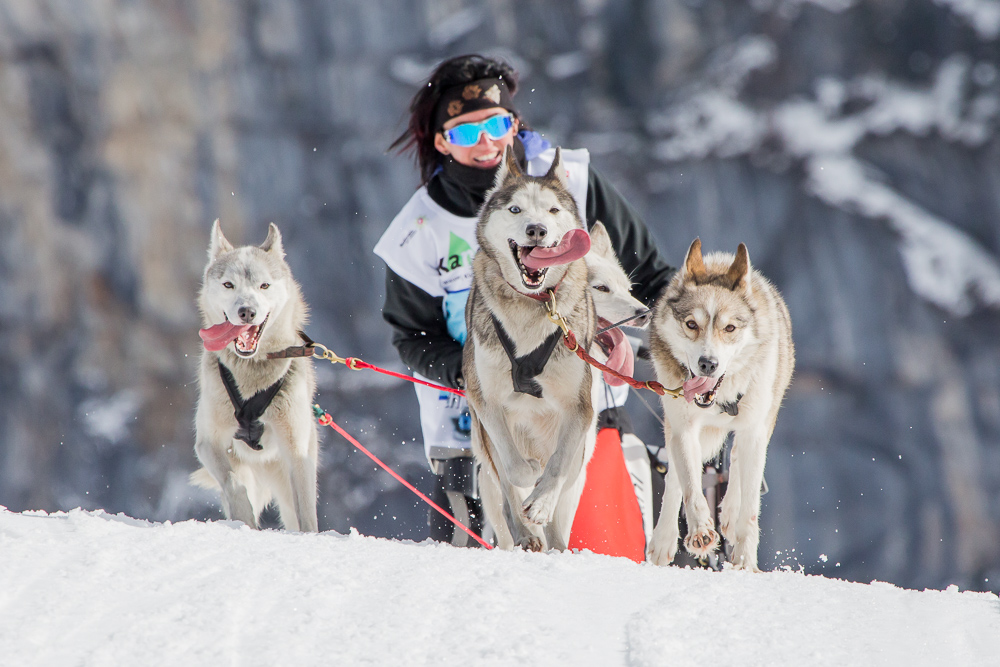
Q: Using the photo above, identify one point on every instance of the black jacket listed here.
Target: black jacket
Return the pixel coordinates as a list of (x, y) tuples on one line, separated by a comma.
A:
[(420, 333)]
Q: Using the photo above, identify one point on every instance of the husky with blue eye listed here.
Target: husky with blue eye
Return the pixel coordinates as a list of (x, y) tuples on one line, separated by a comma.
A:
[(529, 395)]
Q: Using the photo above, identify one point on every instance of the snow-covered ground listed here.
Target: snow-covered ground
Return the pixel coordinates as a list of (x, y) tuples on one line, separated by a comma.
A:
[(87, 588)]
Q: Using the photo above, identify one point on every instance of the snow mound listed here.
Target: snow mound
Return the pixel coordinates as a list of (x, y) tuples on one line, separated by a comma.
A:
[(88, 588)]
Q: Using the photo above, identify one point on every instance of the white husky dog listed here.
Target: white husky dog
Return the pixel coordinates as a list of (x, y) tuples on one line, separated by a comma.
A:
[(723, 331), (256, 437)]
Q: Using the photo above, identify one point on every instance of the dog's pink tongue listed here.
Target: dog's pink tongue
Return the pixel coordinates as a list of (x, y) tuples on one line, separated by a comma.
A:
[(697, 385), (219, 336), (620, 355), (574, 244)]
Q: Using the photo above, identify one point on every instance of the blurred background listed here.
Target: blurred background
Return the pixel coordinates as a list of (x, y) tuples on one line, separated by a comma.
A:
[(853, 145)]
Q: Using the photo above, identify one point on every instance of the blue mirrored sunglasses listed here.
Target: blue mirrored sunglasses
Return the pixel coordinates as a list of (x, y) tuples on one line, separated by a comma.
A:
[(467, 134)]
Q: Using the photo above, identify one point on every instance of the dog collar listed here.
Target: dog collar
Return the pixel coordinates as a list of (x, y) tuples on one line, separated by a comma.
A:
[(543, 297)]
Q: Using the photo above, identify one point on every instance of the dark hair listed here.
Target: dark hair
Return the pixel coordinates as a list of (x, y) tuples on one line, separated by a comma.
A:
[(419, 133)]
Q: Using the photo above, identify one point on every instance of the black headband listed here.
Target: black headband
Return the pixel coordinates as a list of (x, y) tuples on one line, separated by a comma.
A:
[(473, 96)]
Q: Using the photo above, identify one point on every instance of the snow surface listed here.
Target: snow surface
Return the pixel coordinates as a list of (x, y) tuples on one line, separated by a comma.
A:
[(88, 588)]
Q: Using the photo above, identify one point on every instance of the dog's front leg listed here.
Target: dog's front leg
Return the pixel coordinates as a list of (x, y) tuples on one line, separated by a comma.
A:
[(747, 471), (297, 502), (235, 500), (512, 471), (685, 456), (564, 464)]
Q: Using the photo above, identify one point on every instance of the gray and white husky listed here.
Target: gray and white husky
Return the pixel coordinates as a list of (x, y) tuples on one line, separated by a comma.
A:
[(722, 331), (256, 437), (529, 395)]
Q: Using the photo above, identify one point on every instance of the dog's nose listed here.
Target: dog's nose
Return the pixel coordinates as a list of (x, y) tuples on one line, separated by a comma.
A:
[(535, 231), (643, 317), (707, 366), (247, 314)]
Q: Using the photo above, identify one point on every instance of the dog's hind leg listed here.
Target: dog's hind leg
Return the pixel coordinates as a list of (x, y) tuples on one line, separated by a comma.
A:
[(490, 493), (663, 544), (747, 471), (235, 499)]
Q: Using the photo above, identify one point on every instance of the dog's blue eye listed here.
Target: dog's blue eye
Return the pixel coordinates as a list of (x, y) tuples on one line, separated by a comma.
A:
[(553, 210), (514, 209), (265, 285), (227, 285), (691, 324)]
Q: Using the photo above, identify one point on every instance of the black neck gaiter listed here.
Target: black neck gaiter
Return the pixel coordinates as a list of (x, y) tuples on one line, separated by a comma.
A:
[(460, 189)]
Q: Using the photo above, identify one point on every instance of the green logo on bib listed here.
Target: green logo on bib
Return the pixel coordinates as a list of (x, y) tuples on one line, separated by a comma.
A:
[(458, 254)]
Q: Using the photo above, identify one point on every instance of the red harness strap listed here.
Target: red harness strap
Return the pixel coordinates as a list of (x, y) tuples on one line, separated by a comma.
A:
[(570, 340)]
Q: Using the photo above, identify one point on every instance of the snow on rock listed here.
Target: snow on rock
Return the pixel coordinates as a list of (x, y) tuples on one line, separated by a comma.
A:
[(944, 265), (88, 588)]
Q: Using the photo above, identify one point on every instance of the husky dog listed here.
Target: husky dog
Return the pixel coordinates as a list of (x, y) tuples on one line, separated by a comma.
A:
[(611, 286), (722, 331), (529, 395), (255, 434)]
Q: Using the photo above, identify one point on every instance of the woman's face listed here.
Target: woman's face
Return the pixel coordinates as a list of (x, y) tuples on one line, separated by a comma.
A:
[(485, 153)]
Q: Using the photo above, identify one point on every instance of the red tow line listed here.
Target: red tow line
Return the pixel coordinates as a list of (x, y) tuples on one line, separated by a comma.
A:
[(325, 419)]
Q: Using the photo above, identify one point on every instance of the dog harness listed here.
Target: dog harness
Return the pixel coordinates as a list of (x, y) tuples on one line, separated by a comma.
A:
[(523, 370), (248, 412), (733, 408)]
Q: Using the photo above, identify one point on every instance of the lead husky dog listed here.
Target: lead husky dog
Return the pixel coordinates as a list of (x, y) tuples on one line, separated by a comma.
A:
[(613, 301), (251, 306), (723, 331), (529, 395)]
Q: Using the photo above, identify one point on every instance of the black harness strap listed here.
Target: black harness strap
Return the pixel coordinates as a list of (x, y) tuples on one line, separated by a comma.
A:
[(523, 370), (248, 412), (732, 408)]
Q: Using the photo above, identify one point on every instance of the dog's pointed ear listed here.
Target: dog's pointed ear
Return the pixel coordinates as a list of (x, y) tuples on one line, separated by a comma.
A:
[(557, 170), (272, 243), (694, 266), (219, 243), (508, 168), (738, 274), (600, 242)]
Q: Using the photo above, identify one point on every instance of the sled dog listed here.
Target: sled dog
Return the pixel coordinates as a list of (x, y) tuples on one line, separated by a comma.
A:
[(610, 285), (529, 395), (255, 436), (722, 331), (613, 302)]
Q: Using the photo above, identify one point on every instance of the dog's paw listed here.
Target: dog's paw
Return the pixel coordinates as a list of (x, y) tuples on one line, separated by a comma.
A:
[(540, 506), (702, 541), (661, 551), (744, 558), (530, 543)]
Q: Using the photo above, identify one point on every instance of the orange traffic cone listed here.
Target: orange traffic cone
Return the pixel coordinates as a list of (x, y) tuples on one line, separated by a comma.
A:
[(608, 520)]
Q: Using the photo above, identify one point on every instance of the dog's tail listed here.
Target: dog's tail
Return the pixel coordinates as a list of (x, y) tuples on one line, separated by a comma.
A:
[(202, 478)]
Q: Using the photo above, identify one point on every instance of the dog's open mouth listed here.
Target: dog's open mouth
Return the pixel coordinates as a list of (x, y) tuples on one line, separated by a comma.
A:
[(246, 342), (694, 386), (531, 278)]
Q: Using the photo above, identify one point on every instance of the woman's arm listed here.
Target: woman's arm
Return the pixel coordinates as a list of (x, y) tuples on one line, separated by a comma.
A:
[(420, 332), (630, 237)]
